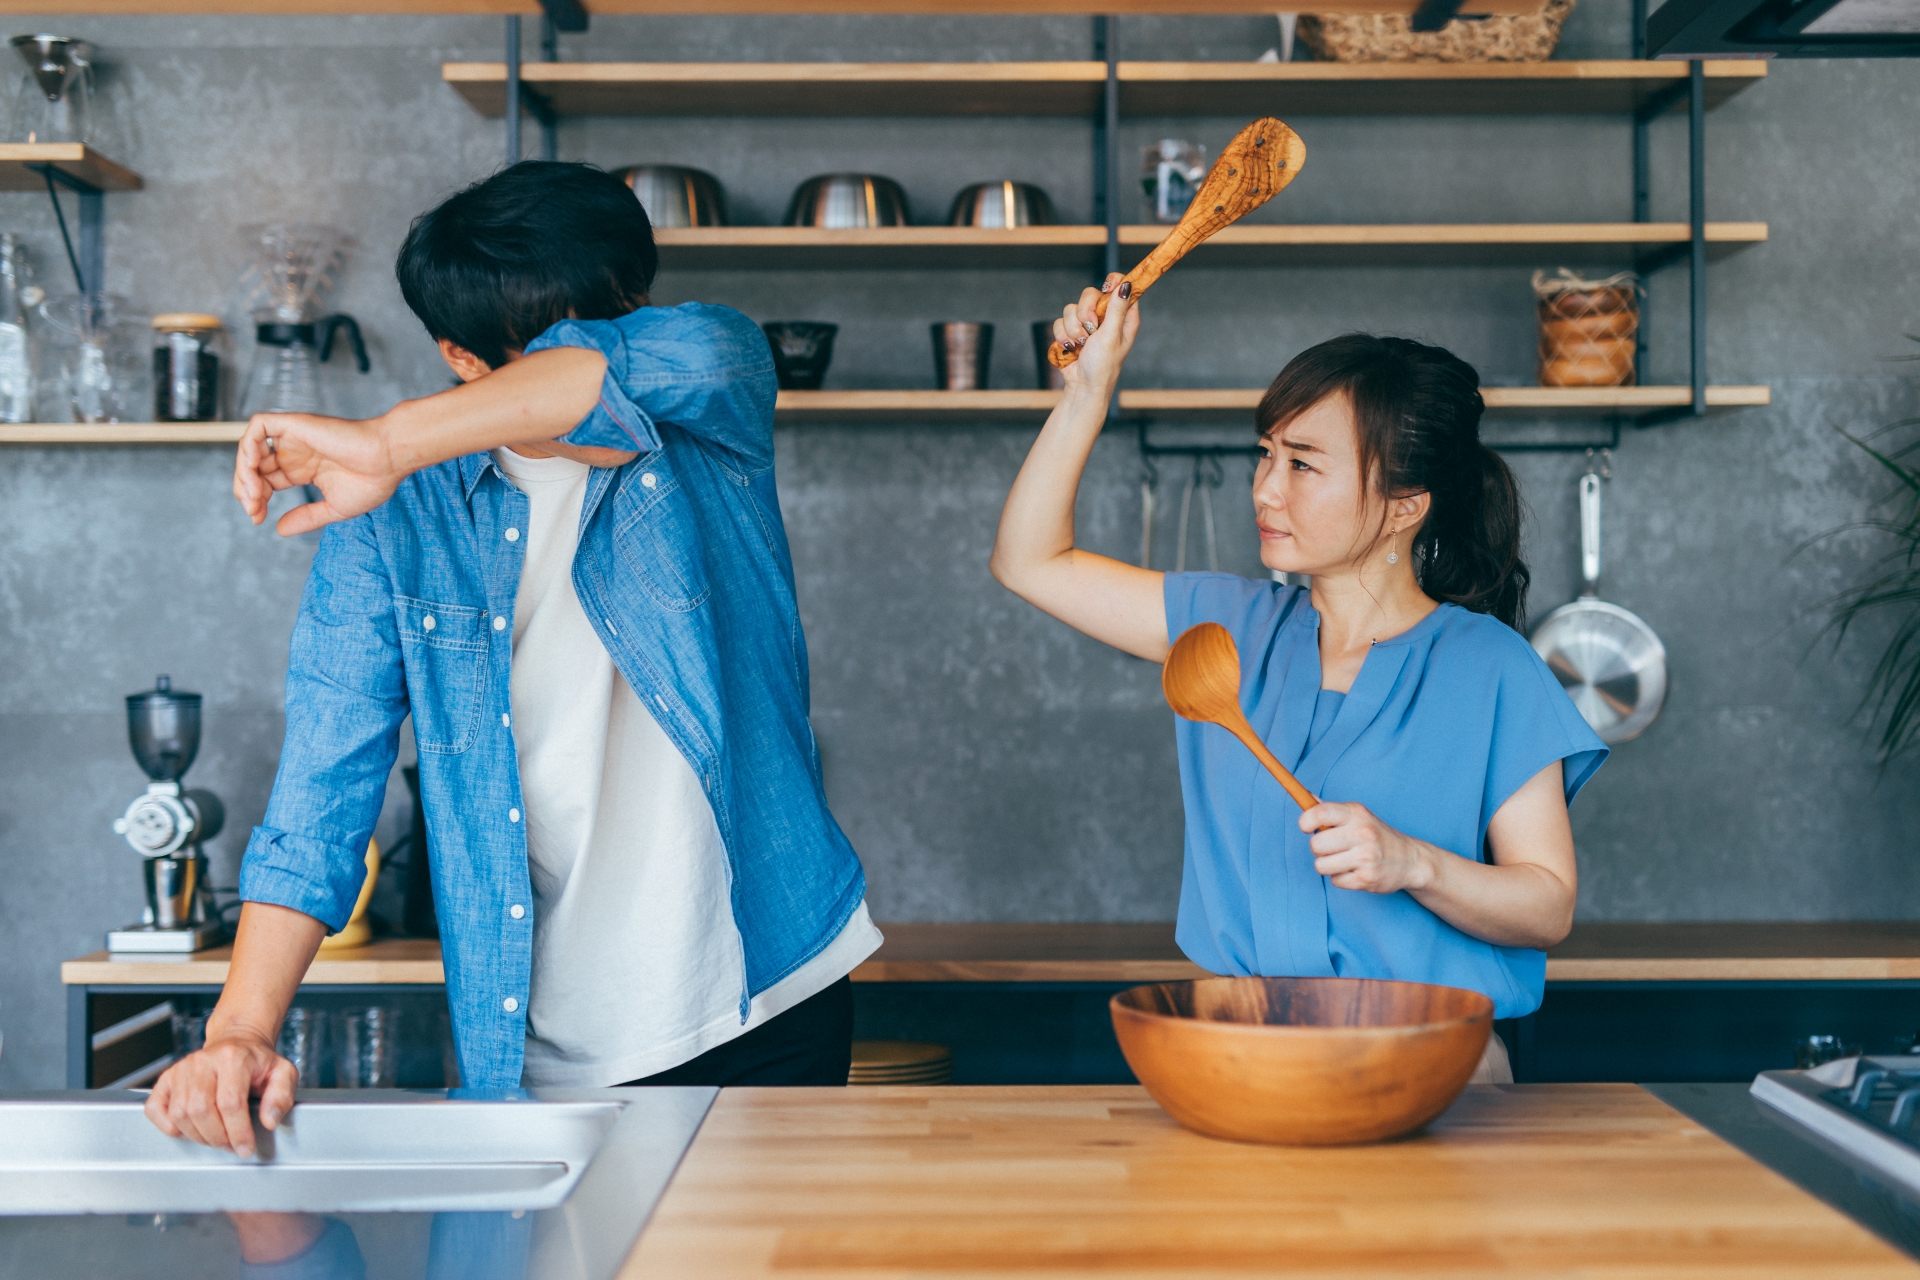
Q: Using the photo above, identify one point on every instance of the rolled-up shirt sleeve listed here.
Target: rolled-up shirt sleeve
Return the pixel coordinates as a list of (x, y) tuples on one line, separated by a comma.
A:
[(705, 369), (346, 699)]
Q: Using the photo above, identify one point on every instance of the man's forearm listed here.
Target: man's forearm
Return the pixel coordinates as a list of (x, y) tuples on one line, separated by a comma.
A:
[(536, 398), (271, 952)]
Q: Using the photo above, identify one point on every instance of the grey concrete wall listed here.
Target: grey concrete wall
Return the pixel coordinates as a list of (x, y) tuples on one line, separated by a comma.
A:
[(990, 764)]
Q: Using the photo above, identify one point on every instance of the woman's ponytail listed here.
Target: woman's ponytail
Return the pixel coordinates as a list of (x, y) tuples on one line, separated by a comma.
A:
[(1417, 413)]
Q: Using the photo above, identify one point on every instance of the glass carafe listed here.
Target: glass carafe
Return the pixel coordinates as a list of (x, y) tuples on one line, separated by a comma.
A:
[(286, 366)]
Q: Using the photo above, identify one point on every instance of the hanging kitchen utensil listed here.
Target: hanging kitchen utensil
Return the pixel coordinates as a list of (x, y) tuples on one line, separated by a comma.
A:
[(1201, 679), (1204, 485), (1186, 509), (1149, 486), (1610, 662), (1262, 158)]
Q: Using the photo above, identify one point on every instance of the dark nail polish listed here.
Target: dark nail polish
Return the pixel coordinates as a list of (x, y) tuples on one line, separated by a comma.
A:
[(1126, 288)]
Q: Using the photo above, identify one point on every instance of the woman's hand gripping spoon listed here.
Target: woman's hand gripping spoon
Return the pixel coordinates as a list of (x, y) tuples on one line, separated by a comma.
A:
[(1201, 679), (1261, 159)]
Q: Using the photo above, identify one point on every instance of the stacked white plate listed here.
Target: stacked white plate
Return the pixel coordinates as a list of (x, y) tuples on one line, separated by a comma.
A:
[(900, 1062)]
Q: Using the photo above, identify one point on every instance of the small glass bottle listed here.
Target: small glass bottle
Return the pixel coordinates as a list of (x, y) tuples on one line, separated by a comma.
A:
[(18, 295), (186, 367)]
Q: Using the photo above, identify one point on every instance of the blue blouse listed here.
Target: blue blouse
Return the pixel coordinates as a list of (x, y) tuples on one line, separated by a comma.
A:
[(1442, 725)]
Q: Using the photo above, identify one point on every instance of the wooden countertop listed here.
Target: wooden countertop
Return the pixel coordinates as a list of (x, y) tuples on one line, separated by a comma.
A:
[(1598, 952), (391, 960), (1533, 1180)]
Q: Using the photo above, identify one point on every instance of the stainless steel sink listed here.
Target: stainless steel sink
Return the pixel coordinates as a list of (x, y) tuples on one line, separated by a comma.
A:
[(344, 1153)]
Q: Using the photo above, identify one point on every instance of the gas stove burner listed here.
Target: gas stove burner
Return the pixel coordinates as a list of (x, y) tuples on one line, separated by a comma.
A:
[(1866, 1106)]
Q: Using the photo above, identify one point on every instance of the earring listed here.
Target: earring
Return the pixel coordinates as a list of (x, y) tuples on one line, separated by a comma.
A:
[(1393, 557)]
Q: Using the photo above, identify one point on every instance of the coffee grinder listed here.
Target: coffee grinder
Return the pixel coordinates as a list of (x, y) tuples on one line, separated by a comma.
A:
[(167, 825)]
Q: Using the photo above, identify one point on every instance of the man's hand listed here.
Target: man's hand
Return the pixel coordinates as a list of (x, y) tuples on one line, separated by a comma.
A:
[(204, 1096), (348, 461)]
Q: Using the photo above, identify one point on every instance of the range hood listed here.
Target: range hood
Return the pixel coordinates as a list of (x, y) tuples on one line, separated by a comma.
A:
[(1785, 29)]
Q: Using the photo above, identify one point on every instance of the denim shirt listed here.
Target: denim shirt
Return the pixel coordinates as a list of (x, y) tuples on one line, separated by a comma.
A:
[(684, 571)]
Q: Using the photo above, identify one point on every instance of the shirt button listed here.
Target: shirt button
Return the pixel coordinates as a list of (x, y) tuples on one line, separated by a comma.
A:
[(499, 624), (513, 815), (516, 911), (506, 719), (427, 623), (510, 1005), (513, 535), (647, 481)]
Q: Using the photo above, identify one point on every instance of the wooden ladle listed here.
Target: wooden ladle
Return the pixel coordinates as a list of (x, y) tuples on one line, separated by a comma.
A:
[(1202, 682), (1262, 158)]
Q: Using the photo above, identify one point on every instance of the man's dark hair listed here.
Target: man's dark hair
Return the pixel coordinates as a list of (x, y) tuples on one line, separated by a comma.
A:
[(493, 267)]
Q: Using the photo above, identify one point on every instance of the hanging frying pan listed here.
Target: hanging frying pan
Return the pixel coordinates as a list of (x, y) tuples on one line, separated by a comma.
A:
[(1610, 662)]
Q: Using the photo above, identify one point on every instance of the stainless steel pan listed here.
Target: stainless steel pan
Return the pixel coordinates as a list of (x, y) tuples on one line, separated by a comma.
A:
[(1611, 663)]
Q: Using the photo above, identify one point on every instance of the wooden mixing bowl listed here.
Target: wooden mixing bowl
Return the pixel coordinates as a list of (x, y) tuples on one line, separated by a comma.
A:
[(1302, 1061)]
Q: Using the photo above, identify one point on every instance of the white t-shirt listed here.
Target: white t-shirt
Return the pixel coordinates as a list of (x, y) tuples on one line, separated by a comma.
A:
[(637, 962)]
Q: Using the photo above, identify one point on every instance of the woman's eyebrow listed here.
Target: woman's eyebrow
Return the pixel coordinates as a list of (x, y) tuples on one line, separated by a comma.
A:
[(1299, 446)]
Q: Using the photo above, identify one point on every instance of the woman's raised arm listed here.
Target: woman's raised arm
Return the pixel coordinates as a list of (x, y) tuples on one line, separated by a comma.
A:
[(1033, 555)]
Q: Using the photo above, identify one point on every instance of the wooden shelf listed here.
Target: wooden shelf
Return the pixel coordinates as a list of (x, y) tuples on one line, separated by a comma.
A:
[(122, 433), (1081, 247), (617, 8), (1416, 88), (390, 960), (1237, 89), (797, 407), (71, 158), (1596, 952)]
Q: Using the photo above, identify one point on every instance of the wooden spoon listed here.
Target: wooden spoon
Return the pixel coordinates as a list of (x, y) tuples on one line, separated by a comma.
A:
[(1262, 158), (1202, 682)]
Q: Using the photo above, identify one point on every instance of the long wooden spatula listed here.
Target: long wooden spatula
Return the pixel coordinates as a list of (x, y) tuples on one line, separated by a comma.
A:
[(1261, 159), (1202, 682)]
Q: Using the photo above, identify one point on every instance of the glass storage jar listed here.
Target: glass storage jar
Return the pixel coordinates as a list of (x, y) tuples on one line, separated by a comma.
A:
[(186, 367), (91, 365)]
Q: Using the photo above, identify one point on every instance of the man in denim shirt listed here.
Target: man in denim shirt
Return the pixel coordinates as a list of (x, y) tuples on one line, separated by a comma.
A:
[(571, 571)]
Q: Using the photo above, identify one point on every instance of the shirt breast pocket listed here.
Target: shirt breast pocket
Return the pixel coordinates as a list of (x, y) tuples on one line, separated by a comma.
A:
[(444, 647), (660, 540)]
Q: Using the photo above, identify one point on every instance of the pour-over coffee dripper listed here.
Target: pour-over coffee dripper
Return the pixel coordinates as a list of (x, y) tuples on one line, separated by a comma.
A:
[(294, 265), (54, 102), (167, 825)]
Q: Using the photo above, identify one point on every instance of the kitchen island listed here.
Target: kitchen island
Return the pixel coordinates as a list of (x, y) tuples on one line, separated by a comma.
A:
[(1563, 1180), (1534, 1180)]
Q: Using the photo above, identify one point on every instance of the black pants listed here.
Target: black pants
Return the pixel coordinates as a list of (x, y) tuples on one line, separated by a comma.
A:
[(809, 1044)]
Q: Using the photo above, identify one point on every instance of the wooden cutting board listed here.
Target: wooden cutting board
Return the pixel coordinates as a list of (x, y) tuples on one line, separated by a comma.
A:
[(1533, 1180)]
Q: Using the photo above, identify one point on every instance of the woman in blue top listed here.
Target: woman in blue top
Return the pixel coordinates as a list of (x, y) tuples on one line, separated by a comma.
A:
[(1396, 688)]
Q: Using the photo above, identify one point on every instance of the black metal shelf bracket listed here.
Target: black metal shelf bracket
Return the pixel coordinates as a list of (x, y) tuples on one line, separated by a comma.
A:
[(513, 89), (89, 257), (1106, 154), (1694, 90), (524, 101)]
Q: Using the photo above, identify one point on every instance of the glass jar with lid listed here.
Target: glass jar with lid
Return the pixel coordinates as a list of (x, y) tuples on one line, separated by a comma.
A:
[(186, 367)]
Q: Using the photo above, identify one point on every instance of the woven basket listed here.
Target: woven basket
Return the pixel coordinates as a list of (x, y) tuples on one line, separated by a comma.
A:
[(1587, 329), (1356, 37)]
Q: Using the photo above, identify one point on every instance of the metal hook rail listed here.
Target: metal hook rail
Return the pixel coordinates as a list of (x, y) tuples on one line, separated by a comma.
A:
[(1150, 449)]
